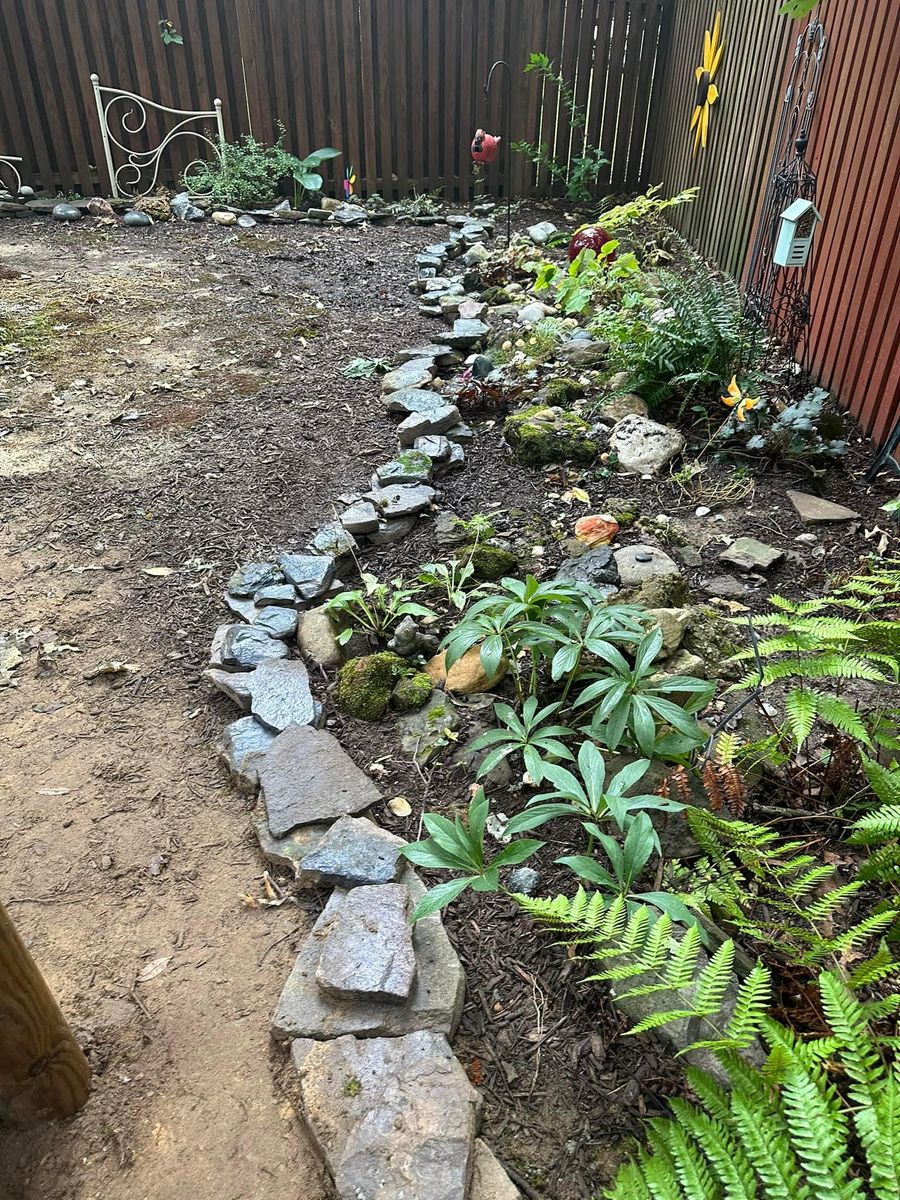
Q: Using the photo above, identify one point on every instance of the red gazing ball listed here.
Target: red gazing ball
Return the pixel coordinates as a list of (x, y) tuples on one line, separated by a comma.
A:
[(592, 237)]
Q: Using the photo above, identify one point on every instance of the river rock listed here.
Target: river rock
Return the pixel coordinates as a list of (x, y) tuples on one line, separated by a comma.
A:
[(316, 638), (243, 745), (354, 853), (309, 573), (467, 675), (184, 210), (306, 776), (366, 948), (245, 647), (224, 218), (644, 446), (639, 563), (135, 218), (422, 424), (583, 353), (66, 212), (435, 1002), (541, 233), (393, 1118)]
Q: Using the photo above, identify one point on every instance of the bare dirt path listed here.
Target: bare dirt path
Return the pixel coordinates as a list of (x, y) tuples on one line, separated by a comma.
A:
[(169, 399)]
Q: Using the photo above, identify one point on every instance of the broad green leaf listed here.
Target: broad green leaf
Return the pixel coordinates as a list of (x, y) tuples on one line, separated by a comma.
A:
[(438, 897)]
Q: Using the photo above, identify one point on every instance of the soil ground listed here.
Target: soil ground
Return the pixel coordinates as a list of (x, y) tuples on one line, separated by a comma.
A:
[(180, 409)]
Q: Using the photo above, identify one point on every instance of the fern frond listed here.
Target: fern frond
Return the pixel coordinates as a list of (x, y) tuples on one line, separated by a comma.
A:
[(800, 708)]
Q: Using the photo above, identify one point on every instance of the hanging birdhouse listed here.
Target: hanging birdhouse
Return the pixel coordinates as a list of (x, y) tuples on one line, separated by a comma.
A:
[(484, 147), (798, 223)]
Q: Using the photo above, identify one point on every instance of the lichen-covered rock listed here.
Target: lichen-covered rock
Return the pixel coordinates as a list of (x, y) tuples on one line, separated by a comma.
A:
[(424, 732), (673, 624), (644, 446), (662, 591), (490, 562), (540, 435), (364, 685), (625, 509), (411, 692), (712, 638), (410, 466)]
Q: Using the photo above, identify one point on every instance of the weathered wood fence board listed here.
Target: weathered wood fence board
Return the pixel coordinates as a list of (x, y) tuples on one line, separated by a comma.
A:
[(396, 84)]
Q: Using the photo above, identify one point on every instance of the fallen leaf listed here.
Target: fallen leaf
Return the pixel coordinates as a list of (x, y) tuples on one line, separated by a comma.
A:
[(160, 571), (112, 668), (153, 968)]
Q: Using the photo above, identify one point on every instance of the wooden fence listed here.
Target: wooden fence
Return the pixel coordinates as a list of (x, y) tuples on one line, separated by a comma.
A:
[(854, 344), (396, 84)]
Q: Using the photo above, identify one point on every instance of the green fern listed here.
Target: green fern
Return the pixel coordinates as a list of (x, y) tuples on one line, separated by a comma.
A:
[(819, 1121), (649, 960), (879, 830)]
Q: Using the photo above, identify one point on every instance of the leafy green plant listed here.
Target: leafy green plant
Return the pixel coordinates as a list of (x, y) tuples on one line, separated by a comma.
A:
[(818, 1121), (643, 208), (451, 578), (169, 34), (589, 279), (246, 175), (528, 735), (806, 433), (477, 528), (644, 954), (305, 172), (773, 890), (879, 831), (365, 368), (454, 846), (795, 9), (376, 607), (581, 174), (632, 703)]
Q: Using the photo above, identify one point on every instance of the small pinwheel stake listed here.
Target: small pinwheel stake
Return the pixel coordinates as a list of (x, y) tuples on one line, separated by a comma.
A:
[(349, 181), (735, 399), (707, 92)]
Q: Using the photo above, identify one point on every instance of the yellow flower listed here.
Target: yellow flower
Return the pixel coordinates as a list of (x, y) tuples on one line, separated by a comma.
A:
[(736, 399)]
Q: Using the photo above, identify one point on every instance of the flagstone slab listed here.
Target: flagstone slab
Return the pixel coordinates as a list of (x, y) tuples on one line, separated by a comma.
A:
[(355, 852), (367, 949), (813, 510), (243, 745)]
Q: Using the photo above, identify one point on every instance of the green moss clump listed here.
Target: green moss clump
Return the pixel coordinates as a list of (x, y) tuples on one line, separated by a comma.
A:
[(412, 692), (496, 295), (560, 390), (414, 461), (490, 562), (625, 509), (364, 685), (541, 435)]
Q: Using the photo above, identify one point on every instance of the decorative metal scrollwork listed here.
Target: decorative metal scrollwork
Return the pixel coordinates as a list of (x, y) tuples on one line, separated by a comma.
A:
[(779, 297), (7, 162), (127, 177)]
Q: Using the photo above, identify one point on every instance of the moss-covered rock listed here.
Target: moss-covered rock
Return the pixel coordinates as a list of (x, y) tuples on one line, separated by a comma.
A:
[(489, 562), (712, 638), (364, 685), (626, 509), (662, 591), (560, 390), (540, 435), (411, 692)]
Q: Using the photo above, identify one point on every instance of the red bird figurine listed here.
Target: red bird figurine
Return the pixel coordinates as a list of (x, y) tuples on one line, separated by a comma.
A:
[(592, 237), (485, 147)]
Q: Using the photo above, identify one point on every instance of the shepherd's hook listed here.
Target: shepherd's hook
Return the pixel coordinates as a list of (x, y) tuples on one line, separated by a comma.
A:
[(501, 62)]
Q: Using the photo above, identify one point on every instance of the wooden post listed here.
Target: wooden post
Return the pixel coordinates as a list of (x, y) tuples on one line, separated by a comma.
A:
[(43, 1074)]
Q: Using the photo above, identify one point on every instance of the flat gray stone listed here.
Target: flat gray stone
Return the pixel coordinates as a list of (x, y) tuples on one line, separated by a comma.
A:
[(309, 573), (367, 951), (813, 509), (489, 1180), (726, 587), (422, 424), (435, 446), (748, 554), (333, 539), (316, 638), (393, 531), (242, 747), (360, 518), (441, 356), (276, 692), (583, 353), (416, 373), (435, 1002), (306, 776), (403, 500), (457, 457), (639, 563), (276, 593), (286, 852), (249, 578), (465, 334), (276, 621), (245, 609), (413, 400), (245, 647), (354, 853), (393, 1118)]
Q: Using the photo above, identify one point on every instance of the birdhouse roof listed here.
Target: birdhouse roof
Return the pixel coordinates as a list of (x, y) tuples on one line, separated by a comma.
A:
[(799, 209)]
